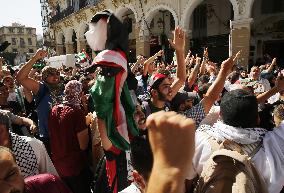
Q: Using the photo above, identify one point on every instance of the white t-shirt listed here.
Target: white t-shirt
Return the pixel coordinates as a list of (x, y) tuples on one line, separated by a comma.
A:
[(131, 189)]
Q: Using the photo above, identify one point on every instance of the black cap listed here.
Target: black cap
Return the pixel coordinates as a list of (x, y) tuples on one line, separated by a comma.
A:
[(4, 45), (99, 15)]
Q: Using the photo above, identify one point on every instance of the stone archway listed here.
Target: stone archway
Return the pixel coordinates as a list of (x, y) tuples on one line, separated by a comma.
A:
[(147, 23), (121, 10), (81, 40), (150, 15), (208, 25), (69, 38), (60, 43), (128, 15), (190, 7)]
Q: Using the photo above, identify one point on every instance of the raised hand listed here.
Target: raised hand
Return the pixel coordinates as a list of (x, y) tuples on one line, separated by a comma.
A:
[(178, 42), (273, 61), (197, 60), (237, 56), (187, 58), (205, 53), (160, 53), (40, 54), (171, 136), (279, 83)]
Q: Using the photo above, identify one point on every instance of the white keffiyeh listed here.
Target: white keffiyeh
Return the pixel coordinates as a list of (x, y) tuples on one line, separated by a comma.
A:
[(220, 131)]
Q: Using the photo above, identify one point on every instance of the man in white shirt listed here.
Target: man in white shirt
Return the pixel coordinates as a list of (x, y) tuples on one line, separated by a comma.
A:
[(142, 162), (239, 112), (30, 153)]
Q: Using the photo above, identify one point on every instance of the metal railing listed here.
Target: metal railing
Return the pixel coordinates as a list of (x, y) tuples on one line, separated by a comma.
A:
[(72, 9), (60, 15)]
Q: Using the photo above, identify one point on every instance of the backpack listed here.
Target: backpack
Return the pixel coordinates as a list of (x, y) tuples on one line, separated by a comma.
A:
[(230, 170)]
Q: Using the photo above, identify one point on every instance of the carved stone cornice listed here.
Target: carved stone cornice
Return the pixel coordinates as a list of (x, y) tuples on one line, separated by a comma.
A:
[(99, 7), (68, 23), (81, 16), (116, 3), (52, 3), (57, 28)]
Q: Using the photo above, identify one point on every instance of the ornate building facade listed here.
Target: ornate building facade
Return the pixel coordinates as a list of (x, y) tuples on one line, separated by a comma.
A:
[(22, 39), (224, 26)]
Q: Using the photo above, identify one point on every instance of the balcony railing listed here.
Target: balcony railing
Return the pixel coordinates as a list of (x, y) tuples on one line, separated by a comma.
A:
[(79, 4), (60, 15)]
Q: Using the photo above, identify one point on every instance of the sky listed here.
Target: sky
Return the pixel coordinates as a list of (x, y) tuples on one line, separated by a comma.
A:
[(25, 12)]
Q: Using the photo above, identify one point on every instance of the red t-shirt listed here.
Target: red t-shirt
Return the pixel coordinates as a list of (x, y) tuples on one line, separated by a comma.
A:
[(64, 123)]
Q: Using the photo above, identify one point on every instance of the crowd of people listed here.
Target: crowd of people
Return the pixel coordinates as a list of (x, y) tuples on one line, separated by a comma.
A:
[(145, 127)]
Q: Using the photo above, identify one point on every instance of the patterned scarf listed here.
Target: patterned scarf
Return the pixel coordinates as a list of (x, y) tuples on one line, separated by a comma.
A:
[(220, 131), (72, 93), (25, 155)]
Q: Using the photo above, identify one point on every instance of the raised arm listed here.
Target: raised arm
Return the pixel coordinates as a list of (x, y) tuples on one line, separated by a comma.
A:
[(187, 61), (272, 65), (140, 60), (204, 61), (23, 74), (178, 44), (216, 88), (279, 86), (150, 60), (193, 75)]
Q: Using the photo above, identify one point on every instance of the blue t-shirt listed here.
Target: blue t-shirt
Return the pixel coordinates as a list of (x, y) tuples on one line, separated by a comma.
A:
[(44, 101)]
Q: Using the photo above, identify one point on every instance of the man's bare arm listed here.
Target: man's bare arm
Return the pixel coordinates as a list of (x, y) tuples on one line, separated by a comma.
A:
[(23, 74)]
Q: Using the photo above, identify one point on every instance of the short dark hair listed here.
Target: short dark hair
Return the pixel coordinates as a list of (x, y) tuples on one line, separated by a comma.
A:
[(239, 108), (141, 156)]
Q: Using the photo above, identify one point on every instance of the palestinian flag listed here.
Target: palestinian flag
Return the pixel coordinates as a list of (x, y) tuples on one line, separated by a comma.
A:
[(112, 100), (39, 65), (82, 57)]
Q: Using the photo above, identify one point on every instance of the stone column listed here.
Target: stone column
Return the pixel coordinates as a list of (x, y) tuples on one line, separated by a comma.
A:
[(59, 49), (69, 48), (143, 46), (142, 42), (81, 44), (240, 39)]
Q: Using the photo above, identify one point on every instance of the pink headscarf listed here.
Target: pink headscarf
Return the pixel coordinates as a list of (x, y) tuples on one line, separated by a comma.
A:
[(72, 93)]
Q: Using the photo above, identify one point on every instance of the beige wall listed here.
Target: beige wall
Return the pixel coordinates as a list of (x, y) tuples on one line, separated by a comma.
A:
[(25, 34), (181, 10)]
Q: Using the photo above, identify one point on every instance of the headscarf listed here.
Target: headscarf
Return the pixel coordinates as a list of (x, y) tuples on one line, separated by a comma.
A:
[(72, 93)]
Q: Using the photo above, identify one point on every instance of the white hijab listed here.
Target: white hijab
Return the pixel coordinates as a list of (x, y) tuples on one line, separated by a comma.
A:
[(97, 35)]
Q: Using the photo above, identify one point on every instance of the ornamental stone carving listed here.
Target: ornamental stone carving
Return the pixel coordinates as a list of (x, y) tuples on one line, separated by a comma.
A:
[(97, 8), (242, 5), (81, 17), (116, 3), (68, 23), (57, 28)]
